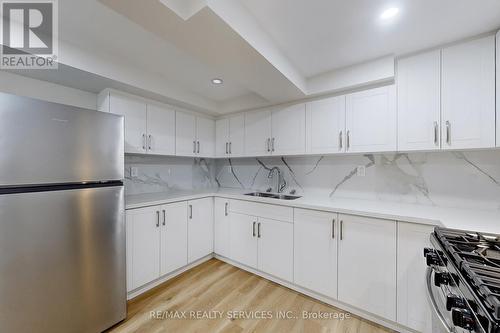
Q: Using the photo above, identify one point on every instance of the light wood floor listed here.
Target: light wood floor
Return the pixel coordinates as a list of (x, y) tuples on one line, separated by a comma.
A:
[(217, 286)]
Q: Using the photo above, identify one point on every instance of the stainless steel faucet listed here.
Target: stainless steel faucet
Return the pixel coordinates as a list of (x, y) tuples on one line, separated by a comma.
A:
[(281, 182)]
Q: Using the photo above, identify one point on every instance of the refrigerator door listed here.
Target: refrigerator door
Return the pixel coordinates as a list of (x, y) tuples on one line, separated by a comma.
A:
[(49, 143), (62, 260)]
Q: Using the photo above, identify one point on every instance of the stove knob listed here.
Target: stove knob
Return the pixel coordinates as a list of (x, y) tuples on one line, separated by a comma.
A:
[(463, 318), (454, 301), (441, 278), (432, 259)]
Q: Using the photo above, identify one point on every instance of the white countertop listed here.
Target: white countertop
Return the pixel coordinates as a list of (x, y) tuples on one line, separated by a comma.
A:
[(457, 218)]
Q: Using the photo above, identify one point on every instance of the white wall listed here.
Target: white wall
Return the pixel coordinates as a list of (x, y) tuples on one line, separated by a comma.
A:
[(24, 86)]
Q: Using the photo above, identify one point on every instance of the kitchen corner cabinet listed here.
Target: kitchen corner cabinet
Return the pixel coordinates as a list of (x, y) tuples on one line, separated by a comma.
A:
[(413, 306), (200, 228), (156, 242), (315, 251), (468, 95), (419, 102), (371, 120), (195, 136), (230, 136), (325, 126), (221, 226), (367, 264)]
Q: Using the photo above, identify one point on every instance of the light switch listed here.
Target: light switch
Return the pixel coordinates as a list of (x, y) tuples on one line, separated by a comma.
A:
[(361, 171)]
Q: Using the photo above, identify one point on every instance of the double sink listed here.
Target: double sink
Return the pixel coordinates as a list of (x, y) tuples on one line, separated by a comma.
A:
[(273, 195)]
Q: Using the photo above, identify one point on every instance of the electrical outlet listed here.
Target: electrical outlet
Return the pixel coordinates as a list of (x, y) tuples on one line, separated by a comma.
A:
[(361, 171), (134, 172)]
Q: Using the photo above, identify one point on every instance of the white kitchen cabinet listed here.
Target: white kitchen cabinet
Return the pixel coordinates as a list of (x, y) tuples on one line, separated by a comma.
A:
[(498, 88), (325, 126), (371, 120), (174, 238), (258, 133), (161, 130), (413, 306), (288, 130), (468, 95), (200, 228), (134, 112), (143, 246), (367, 264), (419, 102), (221, 227), (230, 136), (195, 136), (243, 239), (315, 251), (275, 248)]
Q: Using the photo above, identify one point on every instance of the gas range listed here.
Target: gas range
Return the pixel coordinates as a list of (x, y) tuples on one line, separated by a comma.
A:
[(463, 280)]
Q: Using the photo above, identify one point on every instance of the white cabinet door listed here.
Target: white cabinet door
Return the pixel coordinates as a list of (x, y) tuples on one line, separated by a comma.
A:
[(367, 264), (468, 95), (325, 126), (413, 306), (134, 112), (315, 251), (419, 102), (200, 228), (205, 129), (185, 138), (243, 239), (371, 120), (257, 133), (222, 137), (174, 237), (498, 88), (221, 228), (237, 135), (143, 246), (275, 248), (161, 130), (289, 130)]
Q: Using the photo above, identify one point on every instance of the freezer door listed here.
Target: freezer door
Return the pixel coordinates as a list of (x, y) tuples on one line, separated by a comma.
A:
[(47, 143), (62, 261)]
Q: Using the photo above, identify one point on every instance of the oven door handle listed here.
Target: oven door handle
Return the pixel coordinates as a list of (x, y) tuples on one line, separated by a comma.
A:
[(432, 300)]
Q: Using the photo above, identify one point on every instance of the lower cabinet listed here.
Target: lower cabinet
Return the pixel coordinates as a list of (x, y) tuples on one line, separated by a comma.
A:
[(221, 226), (243, 239), (315, 251), (156, 242), (367, 264), (200, 228), (413, 306)]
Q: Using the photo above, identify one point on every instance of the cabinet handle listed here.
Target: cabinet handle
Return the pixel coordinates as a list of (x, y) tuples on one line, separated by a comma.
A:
[(198, 147), (448, 133), (194, 147), (333, 228), (150, 138), (157, 218), (272, 144), (341, 229), (164, 217), (225, 208), (436, 142), (340, 140), (348, 140), (253, 229), (268, 145), (258, 230), (190, 212), (230, 150), (144, 142), (227, 150)]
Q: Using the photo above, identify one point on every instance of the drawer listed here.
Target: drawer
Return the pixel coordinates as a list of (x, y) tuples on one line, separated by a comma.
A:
[(268, 211)]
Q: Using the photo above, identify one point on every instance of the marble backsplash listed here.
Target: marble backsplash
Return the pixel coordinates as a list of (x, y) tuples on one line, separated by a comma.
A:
[(448, 179), (166, 174)]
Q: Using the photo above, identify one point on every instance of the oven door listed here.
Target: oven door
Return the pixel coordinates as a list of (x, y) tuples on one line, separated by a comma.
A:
[(441, 318)]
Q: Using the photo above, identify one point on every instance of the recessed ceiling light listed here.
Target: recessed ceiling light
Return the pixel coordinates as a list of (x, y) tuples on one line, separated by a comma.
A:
[(389, 13), (217, 81)]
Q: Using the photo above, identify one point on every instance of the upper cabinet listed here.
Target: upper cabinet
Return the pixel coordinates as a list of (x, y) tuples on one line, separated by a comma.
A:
[(419, 98), (161, 130), (468, 95), (195, 135), (325, 126), (258, 133), (230, 136), (371, 120)]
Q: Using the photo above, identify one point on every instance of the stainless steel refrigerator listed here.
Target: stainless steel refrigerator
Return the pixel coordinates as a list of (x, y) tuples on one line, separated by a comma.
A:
[(62, 233)]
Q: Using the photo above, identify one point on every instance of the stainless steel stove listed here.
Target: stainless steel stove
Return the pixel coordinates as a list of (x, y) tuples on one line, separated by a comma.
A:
[(463, 281)]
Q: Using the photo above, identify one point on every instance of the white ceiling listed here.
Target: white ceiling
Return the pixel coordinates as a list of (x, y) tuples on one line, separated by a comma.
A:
[(320, 35)]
